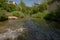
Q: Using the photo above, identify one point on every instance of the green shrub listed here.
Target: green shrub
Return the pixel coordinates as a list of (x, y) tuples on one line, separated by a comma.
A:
[(37, 15), (40, 14), (17, 14), (3, 15)]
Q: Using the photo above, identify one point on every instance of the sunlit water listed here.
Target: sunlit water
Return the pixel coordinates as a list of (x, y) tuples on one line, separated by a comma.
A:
[(27, 29)]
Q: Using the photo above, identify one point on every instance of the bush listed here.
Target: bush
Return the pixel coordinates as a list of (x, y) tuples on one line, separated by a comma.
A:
[(3, 15), (40, 14), (37, 15), (17, 14)]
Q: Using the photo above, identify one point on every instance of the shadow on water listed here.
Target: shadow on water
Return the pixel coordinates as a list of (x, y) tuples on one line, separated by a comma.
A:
[(49, 29), (29, 29)]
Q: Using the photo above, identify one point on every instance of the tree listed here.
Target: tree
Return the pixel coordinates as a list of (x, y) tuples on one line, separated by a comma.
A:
[(51, 1), (2, 3), (22, 6), (54, 15), (39, 7)]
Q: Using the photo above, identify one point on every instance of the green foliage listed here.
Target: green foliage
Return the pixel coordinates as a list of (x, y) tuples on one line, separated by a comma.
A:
[(8, 7), (36, 15), (34, 10), (17, 14), (28, 9), (22, 6), (11, 7), (40, 14), (51, 1), (54, 16), (3, 3), (39, 7), (3, 15), (43, 6)]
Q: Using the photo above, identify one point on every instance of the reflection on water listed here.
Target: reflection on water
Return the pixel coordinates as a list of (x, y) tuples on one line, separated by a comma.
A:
[(35, 29)]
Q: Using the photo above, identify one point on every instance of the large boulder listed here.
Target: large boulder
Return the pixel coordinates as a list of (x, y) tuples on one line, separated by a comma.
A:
[(12, 17)]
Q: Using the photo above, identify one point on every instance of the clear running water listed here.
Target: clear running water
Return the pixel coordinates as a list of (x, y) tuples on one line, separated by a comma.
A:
[(26, 29)]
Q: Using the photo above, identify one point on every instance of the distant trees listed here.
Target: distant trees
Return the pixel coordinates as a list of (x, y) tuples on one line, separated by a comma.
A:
[(8, 7), (39, 7), (51, 1), (12, 7), (54, 15), (2, 3), (22, 6)]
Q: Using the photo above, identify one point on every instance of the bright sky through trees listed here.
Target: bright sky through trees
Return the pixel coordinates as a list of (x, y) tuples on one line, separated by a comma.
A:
[(28, 2)]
